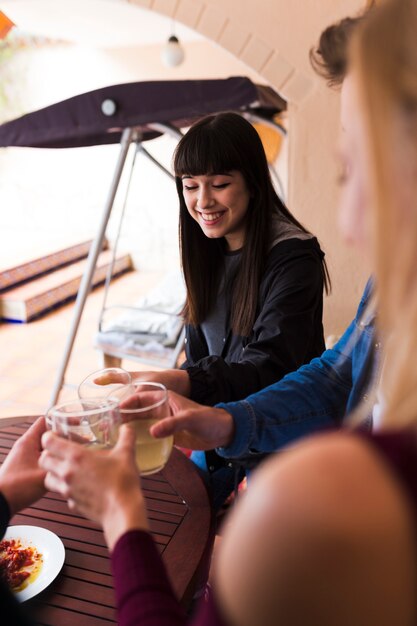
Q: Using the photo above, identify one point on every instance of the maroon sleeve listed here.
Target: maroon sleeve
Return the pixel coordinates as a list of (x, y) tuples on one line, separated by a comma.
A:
[(399, 449), (144, 596)]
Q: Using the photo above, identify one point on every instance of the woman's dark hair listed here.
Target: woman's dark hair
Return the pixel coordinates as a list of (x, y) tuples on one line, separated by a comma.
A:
[(217, 144), (330, 58)]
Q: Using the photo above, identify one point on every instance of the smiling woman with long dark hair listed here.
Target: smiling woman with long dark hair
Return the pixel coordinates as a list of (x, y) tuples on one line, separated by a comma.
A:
[(254, 276), (227, 144)]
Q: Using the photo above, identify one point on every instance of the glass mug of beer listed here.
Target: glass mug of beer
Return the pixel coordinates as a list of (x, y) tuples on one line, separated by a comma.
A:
[(145, 407), (93, 422)]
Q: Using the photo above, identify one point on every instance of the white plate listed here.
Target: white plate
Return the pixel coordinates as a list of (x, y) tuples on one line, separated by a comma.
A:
[(53, 554)]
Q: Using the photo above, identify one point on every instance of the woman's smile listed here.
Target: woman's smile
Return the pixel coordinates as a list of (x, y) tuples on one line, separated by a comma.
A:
[(211, 218)]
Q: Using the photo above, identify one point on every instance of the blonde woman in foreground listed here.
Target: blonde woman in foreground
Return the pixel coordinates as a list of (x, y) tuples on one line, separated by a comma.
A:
[(327, 533)]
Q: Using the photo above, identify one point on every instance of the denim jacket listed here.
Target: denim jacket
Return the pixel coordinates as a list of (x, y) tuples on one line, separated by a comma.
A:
[(314, 397)]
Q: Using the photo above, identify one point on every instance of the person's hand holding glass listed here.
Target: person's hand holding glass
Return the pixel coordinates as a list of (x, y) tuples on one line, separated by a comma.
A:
[(142, 404), (108, 398), (104, 485)]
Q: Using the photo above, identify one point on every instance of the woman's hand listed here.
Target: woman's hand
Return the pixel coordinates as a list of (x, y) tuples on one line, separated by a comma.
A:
[(21, 479), (102, 485), (195, 426), (175, 380)]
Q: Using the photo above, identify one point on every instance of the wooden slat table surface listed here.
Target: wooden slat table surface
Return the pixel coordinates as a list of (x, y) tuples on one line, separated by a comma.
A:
[(82, 594)]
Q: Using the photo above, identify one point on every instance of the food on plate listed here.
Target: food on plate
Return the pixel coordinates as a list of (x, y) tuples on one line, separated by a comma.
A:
[(19, 564)]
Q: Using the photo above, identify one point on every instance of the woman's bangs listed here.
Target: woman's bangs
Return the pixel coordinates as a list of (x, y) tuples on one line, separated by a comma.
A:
[(204, 154)]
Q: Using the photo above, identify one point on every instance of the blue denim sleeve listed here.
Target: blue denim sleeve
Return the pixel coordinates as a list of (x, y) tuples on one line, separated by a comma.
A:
[(312, 398)]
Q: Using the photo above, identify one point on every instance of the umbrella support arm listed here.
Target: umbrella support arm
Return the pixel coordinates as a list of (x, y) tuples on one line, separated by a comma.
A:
[(155, 161), (129, 135)]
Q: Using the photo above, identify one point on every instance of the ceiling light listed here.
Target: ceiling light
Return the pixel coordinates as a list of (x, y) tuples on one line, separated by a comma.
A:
[(173, 53)]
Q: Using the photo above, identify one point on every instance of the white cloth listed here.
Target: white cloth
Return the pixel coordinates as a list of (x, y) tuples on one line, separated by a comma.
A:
[(154, 319)]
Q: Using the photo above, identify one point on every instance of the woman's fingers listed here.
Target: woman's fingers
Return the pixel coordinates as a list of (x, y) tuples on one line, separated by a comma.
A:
[(166, 427), (126, 438), (60, 459), (201, 429), (71, 504), (187, 431), (54, 444), (54, 483), (50, 463), (110, 378), (36, 429)]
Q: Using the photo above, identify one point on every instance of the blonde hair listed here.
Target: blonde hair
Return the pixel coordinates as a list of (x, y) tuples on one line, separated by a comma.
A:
[(384, 55)]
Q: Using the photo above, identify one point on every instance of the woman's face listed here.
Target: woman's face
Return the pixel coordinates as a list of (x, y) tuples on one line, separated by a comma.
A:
[(354, 209), (219, 203)]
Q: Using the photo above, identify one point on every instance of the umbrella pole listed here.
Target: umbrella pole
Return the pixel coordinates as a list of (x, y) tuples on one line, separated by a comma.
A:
[(128, 136)]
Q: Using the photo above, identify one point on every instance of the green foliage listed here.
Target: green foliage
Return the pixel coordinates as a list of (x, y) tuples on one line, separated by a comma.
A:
[(6, 53), (8, 48)]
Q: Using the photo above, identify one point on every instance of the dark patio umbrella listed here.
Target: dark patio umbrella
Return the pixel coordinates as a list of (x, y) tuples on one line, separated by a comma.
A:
[(100, 116)]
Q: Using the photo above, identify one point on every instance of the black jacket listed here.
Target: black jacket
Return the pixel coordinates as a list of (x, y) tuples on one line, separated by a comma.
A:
[(287, 333)]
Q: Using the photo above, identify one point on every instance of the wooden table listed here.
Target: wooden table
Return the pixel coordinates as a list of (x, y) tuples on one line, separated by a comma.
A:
[(180, 518)]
